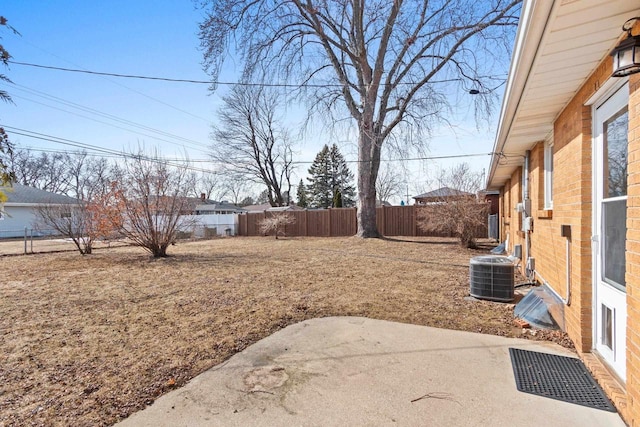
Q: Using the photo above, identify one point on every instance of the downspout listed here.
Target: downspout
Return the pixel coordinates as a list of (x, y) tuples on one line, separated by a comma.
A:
[(568, 292), (529, 268), (565, 231)]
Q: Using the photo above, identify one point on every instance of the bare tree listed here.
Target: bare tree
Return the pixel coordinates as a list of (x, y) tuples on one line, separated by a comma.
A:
[(389, 183), (211, 184), (251, 142), (151, 200), (236, 187), (390, 62), (276, 224), (49, 172), (76, 175), (462, 178), (73, 221), (87, 177)]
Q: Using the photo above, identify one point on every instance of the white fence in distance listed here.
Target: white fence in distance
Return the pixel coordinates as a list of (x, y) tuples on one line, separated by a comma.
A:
[(224, 224)]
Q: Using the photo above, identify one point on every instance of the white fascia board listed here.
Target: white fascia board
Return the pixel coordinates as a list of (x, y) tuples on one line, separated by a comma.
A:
[(533, 22)]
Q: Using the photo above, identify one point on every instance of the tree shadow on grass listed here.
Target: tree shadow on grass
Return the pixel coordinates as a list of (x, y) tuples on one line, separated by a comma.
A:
[(423, 242)]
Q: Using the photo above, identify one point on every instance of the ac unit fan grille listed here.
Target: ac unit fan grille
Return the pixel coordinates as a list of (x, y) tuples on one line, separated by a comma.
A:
[(492, 278)]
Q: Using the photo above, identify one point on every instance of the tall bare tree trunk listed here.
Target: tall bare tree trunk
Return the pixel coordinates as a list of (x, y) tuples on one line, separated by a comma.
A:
[(395, 63), (368, 164)]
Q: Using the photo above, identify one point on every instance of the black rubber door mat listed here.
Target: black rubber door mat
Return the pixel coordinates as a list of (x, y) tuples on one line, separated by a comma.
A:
[(557, 377)]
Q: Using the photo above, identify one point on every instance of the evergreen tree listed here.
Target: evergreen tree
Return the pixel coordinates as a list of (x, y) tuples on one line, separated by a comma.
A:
[(341, 178), (303, 201), (329, 177), (319, 189), (337, 199)]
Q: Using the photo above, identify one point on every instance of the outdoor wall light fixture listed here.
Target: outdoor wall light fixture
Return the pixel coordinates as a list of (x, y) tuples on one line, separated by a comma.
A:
[(626, 55)]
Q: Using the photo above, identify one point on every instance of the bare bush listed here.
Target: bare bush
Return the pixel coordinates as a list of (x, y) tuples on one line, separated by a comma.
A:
[(74, 222), (276, 224), (459, 216), (151, 202)]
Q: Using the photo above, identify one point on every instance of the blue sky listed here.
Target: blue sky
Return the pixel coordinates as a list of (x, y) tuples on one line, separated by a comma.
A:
[(156, 39)]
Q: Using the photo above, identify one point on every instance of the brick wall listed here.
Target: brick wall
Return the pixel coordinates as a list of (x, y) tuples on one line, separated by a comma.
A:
[(572, 205), (633, 256)]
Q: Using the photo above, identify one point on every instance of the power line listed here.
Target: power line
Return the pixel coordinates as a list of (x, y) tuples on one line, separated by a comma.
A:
[(120, 84), (185, 141), (168, 79), (121, 154), (94, 148), (209, 82)]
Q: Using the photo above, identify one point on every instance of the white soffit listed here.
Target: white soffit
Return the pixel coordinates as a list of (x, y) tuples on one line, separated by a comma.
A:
[(558, 45)]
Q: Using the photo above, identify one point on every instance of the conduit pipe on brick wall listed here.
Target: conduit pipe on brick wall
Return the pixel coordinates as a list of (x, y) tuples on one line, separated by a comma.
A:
[(565, 231), (530, 274), (568, 292)]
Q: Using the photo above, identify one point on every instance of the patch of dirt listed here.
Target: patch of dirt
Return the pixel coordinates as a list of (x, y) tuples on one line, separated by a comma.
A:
[(90, 340)]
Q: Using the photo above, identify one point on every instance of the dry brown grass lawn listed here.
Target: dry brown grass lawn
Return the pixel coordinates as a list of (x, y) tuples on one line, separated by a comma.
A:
[(89, 340)]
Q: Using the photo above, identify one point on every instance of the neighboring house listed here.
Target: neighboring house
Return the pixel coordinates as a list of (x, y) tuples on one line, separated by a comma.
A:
[(493, 199), (209, 215), (19, 211), (203, 206), (257, 208), (567, 166), (437, 196), (210, 207)]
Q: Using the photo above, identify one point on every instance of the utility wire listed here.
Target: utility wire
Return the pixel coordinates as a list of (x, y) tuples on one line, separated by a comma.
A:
[(209, 82), (120, 84), (94, 148), (168, 79), (185, 141), (98, 121), (64, 141)]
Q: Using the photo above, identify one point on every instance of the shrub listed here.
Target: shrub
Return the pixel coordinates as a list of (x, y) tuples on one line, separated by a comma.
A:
[(459, 216), (276, 224)]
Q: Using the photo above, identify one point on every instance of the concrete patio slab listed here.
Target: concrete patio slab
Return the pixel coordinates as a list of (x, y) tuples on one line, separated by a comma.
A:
[(354, 371)]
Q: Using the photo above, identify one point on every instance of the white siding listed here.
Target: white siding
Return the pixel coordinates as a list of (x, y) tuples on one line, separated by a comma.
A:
[(15, 219)]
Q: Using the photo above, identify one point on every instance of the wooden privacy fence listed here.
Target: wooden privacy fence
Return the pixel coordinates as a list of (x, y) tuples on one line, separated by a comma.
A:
[(391, 221)]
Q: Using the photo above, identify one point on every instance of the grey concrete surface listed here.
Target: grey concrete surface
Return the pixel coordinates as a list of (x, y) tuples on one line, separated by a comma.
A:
[(346, 371)]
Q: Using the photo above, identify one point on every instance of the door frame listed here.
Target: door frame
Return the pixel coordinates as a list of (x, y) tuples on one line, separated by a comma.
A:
[(615, 89)]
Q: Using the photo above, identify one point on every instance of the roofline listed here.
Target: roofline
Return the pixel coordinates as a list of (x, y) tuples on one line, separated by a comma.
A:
[(533, 23), (34, 205)]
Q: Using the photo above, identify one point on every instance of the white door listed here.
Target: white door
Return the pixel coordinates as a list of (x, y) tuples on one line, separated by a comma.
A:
[(611, 128)]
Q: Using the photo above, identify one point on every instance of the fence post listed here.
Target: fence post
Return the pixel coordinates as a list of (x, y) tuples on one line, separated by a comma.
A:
[(414, 220), (384, 222), (25, 240), (31, 238)]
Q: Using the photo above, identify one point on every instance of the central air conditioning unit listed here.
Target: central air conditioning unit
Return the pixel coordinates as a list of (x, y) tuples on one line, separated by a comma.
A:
[(492, 278)]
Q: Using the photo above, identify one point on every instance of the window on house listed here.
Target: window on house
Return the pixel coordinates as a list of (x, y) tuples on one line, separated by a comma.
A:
[(548, 174)]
